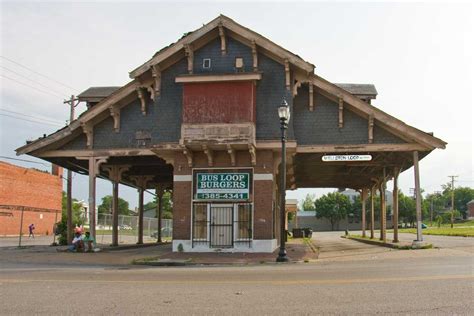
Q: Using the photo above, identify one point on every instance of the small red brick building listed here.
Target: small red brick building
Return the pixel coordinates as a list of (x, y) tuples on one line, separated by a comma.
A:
[(37, 193)]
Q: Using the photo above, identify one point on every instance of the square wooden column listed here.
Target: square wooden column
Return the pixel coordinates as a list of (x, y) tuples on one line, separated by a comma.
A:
[(372, 212), (416, 169), (396, 172), (363, 198)]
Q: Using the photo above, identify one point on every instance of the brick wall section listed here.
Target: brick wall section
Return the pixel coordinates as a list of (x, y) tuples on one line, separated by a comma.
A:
[(31, 188)]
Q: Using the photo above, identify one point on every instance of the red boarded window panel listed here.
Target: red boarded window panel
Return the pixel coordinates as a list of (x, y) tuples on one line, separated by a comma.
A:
[(219, 102)]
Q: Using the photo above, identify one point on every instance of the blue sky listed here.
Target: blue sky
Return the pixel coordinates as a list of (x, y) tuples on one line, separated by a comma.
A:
[(419, 56)]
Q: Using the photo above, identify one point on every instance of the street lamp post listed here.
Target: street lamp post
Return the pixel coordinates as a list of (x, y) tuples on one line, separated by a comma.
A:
[(284, 114)]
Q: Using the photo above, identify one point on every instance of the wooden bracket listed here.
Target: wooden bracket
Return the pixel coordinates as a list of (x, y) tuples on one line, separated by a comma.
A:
[(311, 97), (253, 154), (255, 56), (152, 92), (295, 87), (287, 75), (116, 171), (142, 100), (222, 36), (115, 113), (189, 155), (188, 51), (341, 112), (209, 154), (142, 181), (156, 74), (231, 152), (88, 129), (371, 129)]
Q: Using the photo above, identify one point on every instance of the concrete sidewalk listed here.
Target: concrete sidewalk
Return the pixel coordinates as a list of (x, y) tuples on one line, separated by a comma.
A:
[(46, 256)]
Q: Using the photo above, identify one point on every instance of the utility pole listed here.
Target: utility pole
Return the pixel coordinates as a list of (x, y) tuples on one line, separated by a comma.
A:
[(73, 104), (452, 199)]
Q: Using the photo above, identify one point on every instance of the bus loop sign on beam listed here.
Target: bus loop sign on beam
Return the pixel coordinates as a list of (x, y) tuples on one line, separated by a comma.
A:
[(332, 158)]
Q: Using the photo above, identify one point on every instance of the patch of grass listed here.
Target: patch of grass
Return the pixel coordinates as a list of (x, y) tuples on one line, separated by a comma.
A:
[(144, 260), (443, 231)]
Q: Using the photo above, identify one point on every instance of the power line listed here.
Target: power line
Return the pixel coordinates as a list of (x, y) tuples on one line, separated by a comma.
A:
[(34, 81), (54, 80), (25, 84), (24, 119), (24, 160), (32, 116)]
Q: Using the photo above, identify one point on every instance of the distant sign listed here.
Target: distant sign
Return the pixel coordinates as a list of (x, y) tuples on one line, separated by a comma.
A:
[(223, 186), (331, 158)]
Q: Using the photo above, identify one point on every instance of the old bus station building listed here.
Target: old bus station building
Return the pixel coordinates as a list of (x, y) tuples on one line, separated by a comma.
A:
[(200, 117)]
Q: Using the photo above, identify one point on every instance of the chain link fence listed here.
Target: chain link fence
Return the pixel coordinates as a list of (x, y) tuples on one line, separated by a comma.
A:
[(128, 229)]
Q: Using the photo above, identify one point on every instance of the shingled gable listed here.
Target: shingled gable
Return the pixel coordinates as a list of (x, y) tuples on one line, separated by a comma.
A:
[(305, 74)]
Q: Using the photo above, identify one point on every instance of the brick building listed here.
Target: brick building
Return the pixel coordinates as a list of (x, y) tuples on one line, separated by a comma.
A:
[(201, 117), (36, 193)]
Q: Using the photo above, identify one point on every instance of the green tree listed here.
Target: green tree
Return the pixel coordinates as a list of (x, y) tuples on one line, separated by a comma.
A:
[(106, 206), (406, 209), (167, 205), (77, 219), (333, 206), (308, 202)]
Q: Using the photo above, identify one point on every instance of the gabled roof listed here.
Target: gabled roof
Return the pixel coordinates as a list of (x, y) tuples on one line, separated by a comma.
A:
[(96, 94), (350, 93), (367, 90), (233, 26)]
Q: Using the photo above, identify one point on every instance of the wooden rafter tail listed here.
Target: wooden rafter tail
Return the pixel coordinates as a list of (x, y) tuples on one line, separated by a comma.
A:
[(189, 156)]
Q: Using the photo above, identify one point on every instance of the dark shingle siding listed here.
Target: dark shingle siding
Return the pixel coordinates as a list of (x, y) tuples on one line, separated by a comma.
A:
[(358, 89), (321, 125), (381, 136), (222, 63), (77, 143)]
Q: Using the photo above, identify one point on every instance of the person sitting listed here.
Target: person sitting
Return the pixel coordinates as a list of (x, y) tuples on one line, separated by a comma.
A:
[(77, 243), (89, 240)]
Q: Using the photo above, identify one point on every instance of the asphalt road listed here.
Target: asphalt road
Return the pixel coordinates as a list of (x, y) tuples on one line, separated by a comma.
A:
[(350, 278)]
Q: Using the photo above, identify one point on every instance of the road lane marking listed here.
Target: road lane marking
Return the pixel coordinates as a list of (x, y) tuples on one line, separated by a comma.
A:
[(251, 282)]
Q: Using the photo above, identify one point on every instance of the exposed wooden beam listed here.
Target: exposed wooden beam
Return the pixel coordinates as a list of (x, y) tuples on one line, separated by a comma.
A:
[(188, 51), (287, 75), (254, 56), (223, 41), (341, 112), (142, 100), (156, 74), (311, 97), (357, 148), (371, 129)]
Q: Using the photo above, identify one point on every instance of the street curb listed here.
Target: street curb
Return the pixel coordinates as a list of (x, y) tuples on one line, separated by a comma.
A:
[(388, 245), (128, 247)]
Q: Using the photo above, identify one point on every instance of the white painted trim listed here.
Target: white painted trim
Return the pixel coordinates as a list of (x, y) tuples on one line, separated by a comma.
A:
[(262, 176), (182, 178), (218, 78), (261, 245)]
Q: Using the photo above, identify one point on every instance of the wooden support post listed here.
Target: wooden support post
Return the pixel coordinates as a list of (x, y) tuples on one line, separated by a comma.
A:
[(188, 51), (372, 212), (255, 56), (287, 75), (371, 129), (341, 112), (141, 182), (159, 208), (396, 172), (364, 199), (115, 175), (222, 36), (419, 234), (94, 170), (311, 97), (383, 210), (140, 216)]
